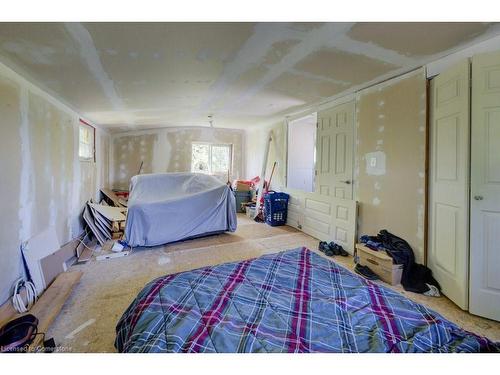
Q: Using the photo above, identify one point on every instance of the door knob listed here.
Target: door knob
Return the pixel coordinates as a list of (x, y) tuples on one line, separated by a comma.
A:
[(346, 182), (478, 197)]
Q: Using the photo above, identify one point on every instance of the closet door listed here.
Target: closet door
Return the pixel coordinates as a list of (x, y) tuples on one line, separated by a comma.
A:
[(485, 187), (334, 147), (448, 255)]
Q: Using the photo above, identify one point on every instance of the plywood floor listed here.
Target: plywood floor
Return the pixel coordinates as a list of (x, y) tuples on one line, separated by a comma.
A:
[(88, 319)]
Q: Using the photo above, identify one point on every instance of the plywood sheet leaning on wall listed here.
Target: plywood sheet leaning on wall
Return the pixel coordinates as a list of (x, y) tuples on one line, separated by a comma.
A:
[(391, 159)]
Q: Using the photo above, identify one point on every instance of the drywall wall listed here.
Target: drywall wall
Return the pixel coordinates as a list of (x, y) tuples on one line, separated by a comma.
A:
[(256, 144), (10, 161), (390, 159), (43, 182), (391, 128), (167, 150)]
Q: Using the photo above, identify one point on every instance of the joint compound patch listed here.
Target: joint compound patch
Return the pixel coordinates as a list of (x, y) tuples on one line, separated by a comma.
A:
[(163, 260), (376, 201)]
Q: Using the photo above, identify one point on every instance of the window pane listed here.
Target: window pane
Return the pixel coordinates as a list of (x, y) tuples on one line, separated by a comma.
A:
[(86, 142), (200, 158), (220, 159)]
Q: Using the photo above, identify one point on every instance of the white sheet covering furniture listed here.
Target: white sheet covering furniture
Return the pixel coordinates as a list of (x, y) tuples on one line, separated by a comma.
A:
[(168, 207)]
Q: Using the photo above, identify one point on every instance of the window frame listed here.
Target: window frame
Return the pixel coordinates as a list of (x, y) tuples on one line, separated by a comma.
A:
[(210, 145), (83, 123)]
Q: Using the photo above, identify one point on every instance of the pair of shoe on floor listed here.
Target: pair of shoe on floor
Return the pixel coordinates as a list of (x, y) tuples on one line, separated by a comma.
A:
[(365, 271), (331, 249)]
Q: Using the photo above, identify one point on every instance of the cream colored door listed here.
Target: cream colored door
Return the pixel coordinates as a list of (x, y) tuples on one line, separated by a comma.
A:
[(334, 147), (485, 187), (323, 217), (448, 255)]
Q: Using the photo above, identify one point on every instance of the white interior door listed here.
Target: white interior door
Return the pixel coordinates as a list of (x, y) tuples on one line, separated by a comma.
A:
[(448, 255), (323, 217), (485, 187), (334, 146)]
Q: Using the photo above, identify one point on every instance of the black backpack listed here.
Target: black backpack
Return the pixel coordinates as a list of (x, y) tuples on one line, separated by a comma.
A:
[(18, 334)]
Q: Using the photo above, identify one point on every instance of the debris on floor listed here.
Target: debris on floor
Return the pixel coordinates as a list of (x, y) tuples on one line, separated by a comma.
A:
[(112, 249), (106, 222), (45, 311)]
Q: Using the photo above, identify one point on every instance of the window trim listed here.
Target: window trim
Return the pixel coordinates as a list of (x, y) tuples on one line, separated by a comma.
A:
[(93, 157), (211, 144)]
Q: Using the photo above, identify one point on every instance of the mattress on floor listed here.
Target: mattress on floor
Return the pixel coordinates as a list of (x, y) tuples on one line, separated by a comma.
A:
[(169, 207), (293, 301)]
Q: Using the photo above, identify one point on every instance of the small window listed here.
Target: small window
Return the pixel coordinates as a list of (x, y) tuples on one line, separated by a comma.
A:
[(214, 159), (86, 143)]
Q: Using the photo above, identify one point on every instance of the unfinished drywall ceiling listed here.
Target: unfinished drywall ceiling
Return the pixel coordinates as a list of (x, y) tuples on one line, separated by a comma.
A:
[(142, 75), (346, 67), (417, 38)]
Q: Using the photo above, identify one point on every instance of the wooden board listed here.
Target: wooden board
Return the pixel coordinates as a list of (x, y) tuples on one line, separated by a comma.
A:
[(36, 248), (7, 312), (85, 255), (111, 196), (380, 263), (48, 307), (110, 213)]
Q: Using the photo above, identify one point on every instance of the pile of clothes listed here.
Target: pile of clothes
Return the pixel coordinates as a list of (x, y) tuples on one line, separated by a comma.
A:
[(416, 277)]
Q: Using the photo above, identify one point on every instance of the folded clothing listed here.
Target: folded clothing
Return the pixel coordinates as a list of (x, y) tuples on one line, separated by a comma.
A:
[(371, 242)]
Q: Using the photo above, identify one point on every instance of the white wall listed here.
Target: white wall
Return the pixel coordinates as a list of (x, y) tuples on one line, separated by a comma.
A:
[(168, 150), (43, 183), (255, 145), (301, 150)]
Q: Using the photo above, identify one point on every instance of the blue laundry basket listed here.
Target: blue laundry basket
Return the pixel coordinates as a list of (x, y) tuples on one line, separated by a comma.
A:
[(275, 208)]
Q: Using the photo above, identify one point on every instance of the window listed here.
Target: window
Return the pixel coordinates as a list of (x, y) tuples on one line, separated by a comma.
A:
[(214, 159), (86, 142)]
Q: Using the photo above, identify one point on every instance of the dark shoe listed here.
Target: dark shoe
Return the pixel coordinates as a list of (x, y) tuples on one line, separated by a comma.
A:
[(322, 246), (337, 249), (325, 248), (366, 272)]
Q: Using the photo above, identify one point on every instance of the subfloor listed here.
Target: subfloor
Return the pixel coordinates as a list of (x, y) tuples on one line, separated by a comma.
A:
[(88, 319)]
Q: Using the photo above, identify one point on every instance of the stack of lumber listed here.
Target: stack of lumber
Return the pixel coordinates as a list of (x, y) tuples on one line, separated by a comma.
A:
[(115, 199), (104, 221)]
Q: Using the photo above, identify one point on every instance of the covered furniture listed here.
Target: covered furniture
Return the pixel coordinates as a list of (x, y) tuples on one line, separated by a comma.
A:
[(168, 207)]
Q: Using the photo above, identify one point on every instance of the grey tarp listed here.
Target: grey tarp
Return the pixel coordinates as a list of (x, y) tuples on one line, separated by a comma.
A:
[(168, 207)]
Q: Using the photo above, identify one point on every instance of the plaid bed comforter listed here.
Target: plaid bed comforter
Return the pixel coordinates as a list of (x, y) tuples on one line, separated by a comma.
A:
[(293, 301)]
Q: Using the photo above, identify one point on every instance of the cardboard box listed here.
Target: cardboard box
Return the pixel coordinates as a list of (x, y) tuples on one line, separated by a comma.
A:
[(380, 263), (241, 186)]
